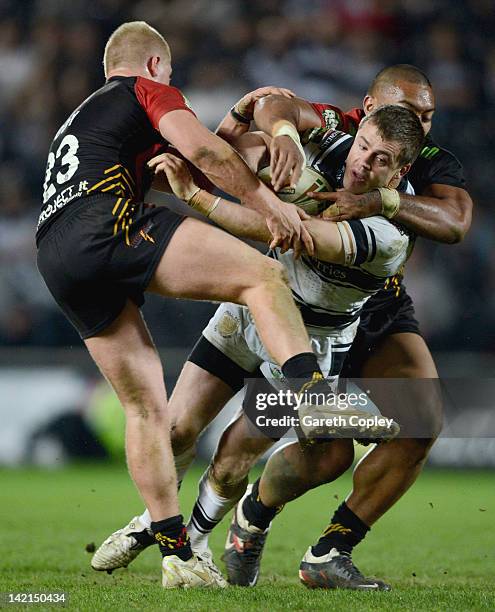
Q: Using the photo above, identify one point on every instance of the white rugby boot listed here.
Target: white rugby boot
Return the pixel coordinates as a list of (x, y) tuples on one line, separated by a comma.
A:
[(197, 572), (122, 547)]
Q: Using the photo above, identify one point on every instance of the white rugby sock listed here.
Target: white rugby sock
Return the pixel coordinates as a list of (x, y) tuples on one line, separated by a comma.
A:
[(182, 463), (209, 509), (145, 519)]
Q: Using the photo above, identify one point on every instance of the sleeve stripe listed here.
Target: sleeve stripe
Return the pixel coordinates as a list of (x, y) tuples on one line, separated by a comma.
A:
[(363, 246), (368, 240), (371, 238), (373, 244), (348, 242)]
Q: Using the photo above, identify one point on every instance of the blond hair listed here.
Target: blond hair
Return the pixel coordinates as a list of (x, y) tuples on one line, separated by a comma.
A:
[(131, 44)]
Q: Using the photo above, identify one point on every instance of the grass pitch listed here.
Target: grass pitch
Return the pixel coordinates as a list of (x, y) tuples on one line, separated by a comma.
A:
[(436, 547)]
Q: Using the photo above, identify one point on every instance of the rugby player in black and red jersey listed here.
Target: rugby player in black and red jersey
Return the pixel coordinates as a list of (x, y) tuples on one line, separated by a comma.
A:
[(100, 248)]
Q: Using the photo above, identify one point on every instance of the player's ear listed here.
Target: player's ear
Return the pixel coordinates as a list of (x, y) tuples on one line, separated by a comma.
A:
[(369, 104), (400, 173), (395, 180), (404, 170), (152, 65)]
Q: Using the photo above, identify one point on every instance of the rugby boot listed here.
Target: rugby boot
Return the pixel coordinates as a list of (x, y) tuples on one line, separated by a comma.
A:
[(197, 572), (243, 548), (324, 414), (122, 546), (327, 421), (335, 570)]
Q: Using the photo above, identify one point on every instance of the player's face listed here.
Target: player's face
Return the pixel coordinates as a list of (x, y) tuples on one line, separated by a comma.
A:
[(417, 98), (372, 162)]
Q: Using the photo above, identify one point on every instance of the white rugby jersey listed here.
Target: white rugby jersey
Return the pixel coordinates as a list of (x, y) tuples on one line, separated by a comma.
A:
[(332, 295)]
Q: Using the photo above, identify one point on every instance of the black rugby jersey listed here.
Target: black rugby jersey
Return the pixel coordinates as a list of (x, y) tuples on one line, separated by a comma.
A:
[(103, 148), (434, 165)]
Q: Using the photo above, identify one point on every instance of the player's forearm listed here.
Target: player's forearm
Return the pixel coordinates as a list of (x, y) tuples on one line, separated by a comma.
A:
[(217, 160), (246, 223), (327, 240), (271, 109), (229, 172), (236, 219), (229, 129), (442, 220)]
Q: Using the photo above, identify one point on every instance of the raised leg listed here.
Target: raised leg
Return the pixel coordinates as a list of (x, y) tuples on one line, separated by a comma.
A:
[(204, 263)]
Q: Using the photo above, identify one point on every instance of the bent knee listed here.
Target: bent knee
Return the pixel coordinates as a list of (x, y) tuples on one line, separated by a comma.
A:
[(332, 464), (228, 473), (268, 277), (428, 418), (413, 451), (420, 447), (183, 436), (270, 271)]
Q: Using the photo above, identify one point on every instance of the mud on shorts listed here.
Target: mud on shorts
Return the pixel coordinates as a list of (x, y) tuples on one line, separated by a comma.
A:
[(232, 331), (231, 349)]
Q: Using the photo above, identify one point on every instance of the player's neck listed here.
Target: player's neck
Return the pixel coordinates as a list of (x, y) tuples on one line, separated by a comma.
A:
[(127, 72)]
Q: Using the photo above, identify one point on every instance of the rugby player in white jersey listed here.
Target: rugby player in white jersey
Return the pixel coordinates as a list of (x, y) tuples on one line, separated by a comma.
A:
[(389, 343), (363, 254)]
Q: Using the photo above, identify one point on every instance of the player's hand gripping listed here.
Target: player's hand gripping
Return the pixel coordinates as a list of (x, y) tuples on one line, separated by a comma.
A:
[(286, 162), (178, 175), (344, 205), (287, 229), (245, 106), (283, 220)]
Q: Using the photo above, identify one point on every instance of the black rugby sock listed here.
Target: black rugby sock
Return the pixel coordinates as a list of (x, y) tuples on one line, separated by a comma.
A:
[(301, 366), (303, 373), (172, 537), (255, 510), (346, 530), (144, 538)]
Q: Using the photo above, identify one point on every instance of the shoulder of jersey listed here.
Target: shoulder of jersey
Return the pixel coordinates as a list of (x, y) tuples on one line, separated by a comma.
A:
[(431, 151), (333, 117), (151, 85), (319, 143)]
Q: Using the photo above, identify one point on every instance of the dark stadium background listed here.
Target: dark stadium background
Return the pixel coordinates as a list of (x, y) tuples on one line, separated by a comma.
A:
[(325, 50)]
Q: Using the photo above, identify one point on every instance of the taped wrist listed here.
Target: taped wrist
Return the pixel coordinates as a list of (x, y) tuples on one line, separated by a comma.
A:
[(203, 202), (286, 128), (390, 202), (239, 116)]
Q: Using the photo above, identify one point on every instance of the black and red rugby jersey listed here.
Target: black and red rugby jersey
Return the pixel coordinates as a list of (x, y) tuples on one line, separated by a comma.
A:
[(104, 145)]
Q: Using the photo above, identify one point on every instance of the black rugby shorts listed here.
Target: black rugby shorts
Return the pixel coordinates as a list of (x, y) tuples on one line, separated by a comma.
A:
[(90, 271), (394, 317)]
